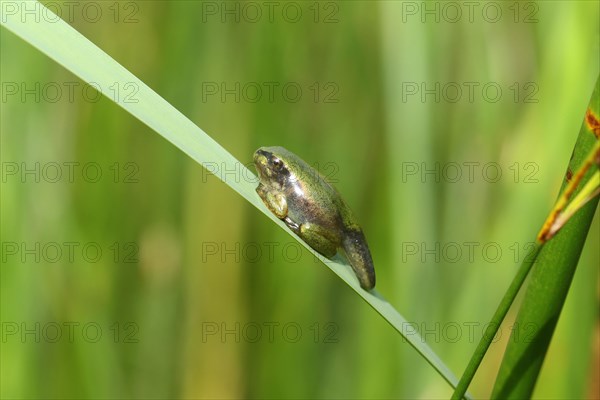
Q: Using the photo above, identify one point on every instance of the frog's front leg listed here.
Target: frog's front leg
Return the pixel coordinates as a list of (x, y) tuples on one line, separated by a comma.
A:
[(292, 225), (274, 201), (319, 238)]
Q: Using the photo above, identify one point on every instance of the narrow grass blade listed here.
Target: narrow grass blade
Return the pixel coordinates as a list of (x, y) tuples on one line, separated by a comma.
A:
[(545, 286), (495, 322), (550, 280), (69, 48)]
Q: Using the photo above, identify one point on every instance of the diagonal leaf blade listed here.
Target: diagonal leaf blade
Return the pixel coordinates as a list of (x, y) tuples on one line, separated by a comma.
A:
[(62, 43)]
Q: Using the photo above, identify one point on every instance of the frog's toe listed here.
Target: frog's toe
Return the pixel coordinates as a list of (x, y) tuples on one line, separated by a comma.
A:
[(291, 224)]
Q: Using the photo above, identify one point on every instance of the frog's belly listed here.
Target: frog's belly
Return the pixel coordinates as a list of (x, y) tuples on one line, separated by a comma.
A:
[(328, 223)]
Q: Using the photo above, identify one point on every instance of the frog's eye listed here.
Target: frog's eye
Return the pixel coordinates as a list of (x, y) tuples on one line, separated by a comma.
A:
[(277, 163)]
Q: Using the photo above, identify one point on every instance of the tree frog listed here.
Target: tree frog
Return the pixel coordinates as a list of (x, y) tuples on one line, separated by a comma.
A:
[(313, 209)]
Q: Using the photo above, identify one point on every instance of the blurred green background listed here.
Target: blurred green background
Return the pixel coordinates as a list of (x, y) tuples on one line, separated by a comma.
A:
[(195, 294)]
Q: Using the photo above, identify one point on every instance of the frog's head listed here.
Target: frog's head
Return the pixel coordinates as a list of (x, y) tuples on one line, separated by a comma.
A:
[(275, 166)]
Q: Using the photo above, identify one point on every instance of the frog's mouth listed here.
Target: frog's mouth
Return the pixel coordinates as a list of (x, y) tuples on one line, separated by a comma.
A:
[(261, 162)]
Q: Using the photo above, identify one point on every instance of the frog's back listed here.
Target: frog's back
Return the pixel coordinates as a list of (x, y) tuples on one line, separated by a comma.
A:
[(314, 199), (351, 238)]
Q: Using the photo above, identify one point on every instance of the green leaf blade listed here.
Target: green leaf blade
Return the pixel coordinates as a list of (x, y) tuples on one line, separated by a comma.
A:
[(548, 287), (66, 46)]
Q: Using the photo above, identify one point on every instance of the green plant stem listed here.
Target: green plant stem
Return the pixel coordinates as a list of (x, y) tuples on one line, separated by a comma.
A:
[(495, 323), (551, 279)]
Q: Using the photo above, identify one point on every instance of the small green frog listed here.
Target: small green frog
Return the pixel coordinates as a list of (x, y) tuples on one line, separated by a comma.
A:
[(312, 208)]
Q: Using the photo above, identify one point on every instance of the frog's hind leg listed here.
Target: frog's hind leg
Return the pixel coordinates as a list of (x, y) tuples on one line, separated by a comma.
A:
[(319, 239)]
